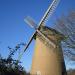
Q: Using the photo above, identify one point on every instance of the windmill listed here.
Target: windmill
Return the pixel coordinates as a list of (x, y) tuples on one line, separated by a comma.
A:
[(41, 32)]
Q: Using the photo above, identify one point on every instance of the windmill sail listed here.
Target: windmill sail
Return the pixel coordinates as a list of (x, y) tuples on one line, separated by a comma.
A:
[(30, 22), (49, 11)]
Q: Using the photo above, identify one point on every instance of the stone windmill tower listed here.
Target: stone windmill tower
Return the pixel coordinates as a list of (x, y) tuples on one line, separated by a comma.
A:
[(48, 57)]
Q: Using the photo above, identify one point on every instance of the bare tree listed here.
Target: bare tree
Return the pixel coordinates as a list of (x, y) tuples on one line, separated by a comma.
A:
[(66, 25)]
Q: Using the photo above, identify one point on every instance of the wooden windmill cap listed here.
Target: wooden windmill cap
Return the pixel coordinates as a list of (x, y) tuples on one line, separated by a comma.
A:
[(53, 35), (48, 32)]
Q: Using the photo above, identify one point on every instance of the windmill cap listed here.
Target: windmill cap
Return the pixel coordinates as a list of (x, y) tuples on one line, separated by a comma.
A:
[(52, 32)]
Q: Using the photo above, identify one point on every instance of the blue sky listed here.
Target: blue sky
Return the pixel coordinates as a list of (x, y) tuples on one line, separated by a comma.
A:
[(14, 30)]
